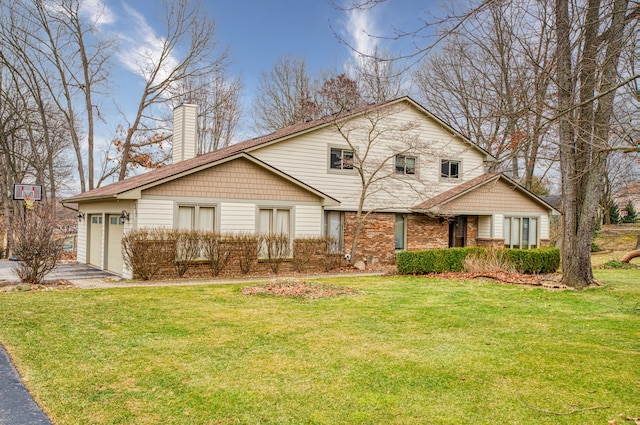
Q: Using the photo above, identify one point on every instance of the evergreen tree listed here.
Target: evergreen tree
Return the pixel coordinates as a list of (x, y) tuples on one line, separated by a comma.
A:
[(631, 213), (614, 213)]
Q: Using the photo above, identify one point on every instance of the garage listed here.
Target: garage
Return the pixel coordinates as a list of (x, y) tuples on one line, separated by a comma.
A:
[(95, 240), (114, 232)]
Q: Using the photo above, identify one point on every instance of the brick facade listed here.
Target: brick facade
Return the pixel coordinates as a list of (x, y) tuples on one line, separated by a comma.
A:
[(376, 242)]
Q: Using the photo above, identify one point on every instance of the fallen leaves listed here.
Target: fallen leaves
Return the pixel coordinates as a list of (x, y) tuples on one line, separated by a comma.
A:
[(550, 281), (298, 289)]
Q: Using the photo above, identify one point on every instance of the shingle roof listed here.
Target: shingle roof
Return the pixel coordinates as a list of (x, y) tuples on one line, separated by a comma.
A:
[(168, 171), (466, 187), (459, 190)]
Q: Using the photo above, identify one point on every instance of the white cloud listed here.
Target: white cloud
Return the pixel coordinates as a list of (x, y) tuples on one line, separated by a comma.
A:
[(361, 27), (98, 12), (141, 48)]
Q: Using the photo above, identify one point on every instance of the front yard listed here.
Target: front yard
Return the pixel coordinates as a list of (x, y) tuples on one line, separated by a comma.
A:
[(399, 350)]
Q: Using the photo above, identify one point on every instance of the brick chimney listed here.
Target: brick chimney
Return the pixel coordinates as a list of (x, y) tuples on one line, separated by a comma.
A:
[(185, 132)]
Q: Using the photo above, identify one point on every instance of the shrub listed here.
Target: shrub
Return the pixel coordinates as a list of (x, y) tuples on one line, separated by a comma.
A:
[(616, 264), (541, 260), (187, 245), (37, 244), (433, 260), (534, 261), (492, 260), (146, 250), (247, 249), (275, 247), (630, 216), (216, 251)]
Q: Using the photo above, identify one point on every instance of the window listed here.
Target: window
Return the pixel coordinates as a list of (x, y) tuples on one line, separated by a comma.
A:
[(334, 225), (96, 220), (520, 232), (449, 169), (401, 231), (273, 221), (196, 217), (405, 165), (341, 159)]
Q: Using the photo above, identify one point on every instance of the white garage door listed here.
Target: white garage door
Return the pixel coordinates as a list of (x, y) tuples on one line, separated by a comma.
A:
[(95, 240), (115, 230)]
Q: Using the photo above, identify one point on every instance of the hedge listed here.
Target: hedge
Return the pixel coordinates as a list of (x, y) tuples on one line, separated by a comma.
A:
[(530, 261)]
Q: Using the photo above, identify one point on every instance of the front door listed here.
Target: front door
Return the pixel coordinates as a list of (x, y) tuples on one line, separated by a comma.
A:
[(457, 232)]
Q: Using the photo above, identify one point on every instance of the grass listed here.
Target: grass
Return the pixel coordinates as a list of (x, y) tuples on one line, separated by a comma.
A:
[(405, 350), (615, 241)]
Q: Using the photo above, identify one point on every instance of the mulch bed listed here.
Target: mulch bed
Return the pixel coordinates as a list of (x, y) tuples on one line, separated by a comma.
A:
[(298, 289)]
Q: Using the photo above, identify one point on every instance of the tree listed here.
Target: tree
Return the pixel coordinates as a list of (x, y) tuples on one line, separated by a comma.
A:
[(587, 78), (38, 243), (187, 50), (218, 100), (286, 96), (491, 79), (631, 215), (379, 184)]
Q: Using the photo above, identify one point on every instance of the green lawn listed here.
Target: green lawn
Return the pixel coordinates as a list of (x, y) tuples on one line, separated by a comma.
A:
[(407, 350)]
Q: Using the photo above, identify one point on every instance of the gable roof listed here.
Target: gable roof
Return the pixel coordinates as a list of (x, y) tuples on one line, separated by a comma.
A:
[(435, 205), (132, 187), (165, 173)]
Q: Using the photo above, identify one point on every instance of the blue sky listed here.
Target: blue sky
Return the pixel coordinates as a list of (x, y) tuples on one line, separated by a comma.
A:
[(257, 33)]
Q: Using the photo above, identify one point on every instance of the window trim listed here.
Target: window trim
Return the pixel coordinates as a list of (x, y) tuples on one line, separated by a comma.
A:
[(274, 210), (532, 243), (197, 206), (404, 172), (404, 231), (448, 177), (325, 232), (330, 169)]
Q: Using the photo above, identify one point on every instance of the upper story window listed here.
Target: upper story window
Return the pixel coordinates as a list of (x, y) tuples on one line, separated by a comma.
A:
[(341, 159), (449, 169), (405, 164)]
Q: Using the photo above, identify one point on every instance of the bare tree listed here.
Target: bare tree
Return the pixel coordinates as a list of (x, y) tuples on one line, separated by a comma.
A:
[(187, 50), (219, 109), (584, 72), (492, 80), (286, 96), (366, 136)]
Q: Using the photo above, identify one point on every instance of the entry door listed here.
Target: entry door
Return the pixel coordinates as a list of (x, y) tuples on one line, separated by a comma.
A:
[(458, 232), (115, 230), (95, 240)]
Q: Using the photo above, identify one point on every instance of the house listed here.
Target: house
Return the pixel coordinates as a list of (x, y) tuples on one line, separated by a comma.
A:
[(427, 188)]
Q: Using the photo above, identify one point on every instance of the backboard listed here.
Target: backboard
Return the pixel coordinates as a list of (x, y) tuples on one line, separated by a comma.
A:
[(24, 191)]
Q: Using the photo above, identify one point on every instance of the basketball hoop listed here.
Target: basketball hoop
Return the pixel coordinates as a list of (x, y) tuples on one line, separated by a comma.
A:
[(28, 193)]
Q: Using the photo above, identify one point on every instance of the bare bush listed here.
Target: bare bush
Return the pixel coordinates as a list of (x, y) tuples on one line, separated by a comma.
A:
[(188, 248), (276, 248), (310, 251), (216, 251), (489, 260), (38, 243), (146, 250), (247, 250)]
